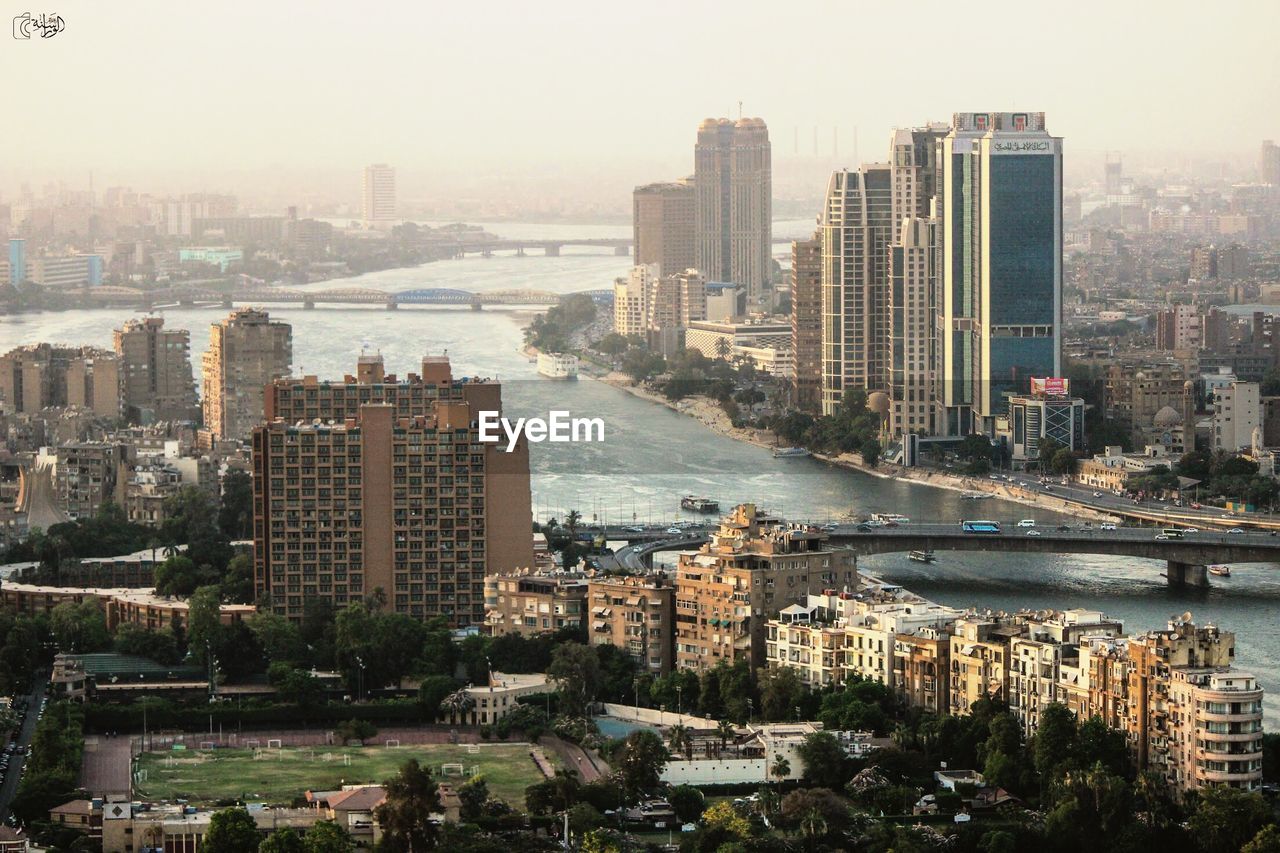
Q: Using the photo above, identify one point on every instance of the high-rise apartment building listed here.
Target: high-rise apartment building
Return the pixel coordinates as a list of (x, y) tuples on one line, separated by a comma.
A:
[(155, 366), (636, 614), (911, 277), (379, 483), (1180, 327), (999, 303), (733, 181), (631, 298), (664, 222), (806, 322), (857, 224), (379, 196), (1219, 262), (247, 351), (37, 376), (1192, 718), (1237, 413), (753, 567), (531, 604), (1269, 163)]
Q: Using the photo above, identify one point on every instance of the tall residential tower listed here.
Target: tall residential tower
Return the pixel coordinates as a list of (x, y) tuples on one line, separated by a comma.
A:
[(734, 186), (247, 352), (379, 196)]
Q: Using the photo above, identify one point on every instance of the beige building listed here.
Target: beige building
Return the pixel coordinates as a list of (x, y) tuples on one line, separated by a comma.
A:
[(980, 660), (1039, 659), (921, 661), (379, 196), (631, 299), (1237, 412), (911, 279), (378, 483), (636, 614), (752, 568), (247, 351), (806, 322), (530, 604), (37, 376), (664, 225), (155, 368), (733, 182), (87, 475)]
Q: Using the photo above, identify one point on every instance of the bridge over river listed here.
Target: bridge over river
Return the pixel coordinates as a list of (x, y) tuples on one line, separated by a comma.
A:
[(1187, 558), (206, 296)]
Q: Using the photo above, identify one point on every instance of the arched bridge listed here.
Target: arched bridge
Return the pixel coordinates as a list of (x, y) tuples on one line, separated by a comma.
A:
[(267, 295)]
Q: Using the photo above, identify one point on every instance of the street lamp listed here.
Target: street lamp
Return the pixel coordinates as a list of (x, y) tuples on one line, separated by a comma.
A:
[(360, 680), (680, 698)]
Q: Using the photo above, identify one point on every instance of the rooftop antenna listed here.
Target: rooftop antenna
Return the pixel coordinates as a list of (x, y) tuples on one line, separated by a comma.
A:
[(739, 109)]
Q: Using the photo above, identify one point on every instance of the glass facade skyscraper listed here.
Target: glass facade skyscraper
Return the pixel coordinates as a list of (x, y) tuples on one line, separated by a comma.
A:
[(1000, 255)]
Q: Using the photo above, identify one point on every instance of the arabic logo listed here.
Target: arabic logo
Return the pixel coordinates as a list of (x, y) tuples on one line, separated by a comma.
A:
[(45, 26)]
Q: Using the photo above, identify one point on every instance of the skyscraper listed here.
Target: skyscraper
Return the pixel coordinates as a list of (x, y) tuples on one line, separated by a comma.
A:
[(379, 483), (806, 321), (1269, 163), (733, 181), (156, 381), (247, 352), (999, 309), (379, 196), (664, 223), (857, 224)]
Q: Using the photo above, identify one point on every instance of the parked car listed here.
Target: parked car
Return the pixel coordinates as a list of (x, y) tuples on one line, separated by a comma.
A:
[(1107, 525), (1236, 530)]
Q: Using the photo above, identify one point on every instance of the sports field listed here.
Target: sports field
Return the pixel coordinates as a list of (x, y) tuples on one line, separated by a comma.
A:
[(281, 775)]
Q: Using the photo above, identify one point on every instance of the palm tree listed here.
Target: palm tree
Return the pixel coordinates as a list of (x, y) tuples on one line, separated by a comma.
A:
[(681, 740), (726, 730), (723, 348), (458, 704), (813, 826), (781, 768), (571, 524)]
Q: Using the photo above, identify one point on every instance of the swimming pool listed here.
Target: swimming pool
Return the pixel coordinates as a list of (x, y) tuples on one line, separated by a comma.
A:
[(612, 727)]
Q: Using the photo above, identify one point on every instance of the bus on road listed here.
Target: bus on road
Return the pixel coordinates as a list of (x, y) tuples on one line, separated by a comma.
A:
[(980, 526)]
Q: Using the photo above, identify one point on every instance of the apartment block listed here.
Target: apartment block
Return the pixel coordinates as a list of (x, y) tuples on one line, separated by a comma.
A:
[(1039, 658), (377, 483), (37, 376), (636, 614), (664, 225), (247, 351), (921, 661), (980, 660), (87, 475), (155, 372), (530, 604), (806, 322)]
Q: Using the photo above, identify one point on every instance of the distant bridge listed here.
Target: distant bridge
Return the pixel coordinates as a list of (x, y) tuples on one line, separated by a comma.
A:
[(268, 295), (1187, 558), (458, 247)]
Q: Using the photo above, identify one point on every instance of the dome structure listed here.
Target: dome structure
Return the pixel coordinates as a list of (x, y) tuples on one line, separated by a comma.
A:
[(1167, 417), (878, 402)]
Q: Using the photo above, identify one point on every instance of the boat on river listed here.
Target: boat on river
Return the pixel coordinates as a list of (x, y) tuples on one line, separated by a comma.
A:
[(922, 557), (697, 504)]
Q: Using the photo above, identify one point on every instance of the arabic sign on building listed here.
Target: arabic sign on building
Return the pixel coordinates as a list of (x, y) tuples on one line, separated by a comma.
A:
[(1021, 146)]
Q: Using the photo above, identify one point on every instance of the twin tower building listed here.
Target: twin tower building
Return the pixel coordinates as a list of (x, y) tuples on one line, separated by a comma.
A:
[(934, 281)]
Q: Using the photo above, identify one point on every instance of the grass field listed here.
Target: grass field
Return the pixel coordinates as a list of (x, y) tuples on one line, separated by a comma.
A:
[(280, 776)]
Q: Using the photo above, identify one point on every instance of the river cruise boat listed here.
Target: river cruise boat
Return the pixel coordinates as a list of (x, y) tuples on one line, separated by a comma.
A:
[(696, 504), (890, 519), (1220, 571), (789, 452), (558, 365), (922, 557)]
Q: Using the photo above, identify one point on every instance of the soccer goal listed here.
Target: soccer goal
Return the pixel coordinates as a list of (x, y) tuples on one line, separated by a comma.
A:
[(207, 745), (274, 743), (453, 770), (473, 749), (252, 743), (393, 743)]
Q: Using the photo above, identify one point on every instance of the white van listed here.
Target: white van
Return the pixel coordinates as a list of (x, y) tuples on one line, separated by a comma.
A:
[(1027, 522)]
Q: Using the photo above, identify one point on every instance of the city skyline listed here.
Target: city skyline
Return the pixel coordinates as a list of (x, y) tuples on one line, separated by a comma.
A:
[(464, 128)]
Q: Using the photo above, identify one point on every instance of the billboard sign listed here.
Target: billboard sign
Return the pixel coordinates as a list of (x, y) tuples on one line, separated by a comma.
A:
[(1050, 387)]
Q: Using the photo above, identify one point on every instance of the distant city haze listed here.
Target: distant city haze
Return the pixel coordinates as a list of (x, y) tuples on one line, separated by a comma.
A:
[(290, 101)]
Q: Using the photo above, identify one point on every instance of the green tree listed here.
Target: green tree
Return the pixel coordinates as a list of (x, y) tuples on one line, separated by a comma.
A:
[(576, 670), (433, 690), (554, 795), (235, 513), (1064, 462), (871, 451), (780, 692), (295, 686), (133, 639), (230, 830), (1048, 449), (826, 764), (179, 576), (237, 581), (281, 639), (642, 761), (325, 836), (1055, 738), (405, 815), (285, 840), (1226, 819), (191, 518), (79, 627), (1266, 841), (687, 802), (203, 621), (473, 793)]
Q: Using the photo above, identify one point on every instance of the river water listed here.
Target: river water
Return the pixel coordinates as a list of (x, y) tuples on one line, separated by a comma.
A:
[(652, 456)]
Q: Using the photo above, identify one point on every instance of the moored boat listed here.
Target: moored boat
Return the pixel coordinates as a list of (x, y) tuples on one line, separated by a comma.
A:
[(697, 504), (922, 557), (1220, 571), (789, 452)]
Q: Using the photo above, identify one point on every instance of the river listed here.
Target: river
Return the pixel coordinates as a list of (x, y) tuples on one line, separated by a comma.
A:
[(651, 456)]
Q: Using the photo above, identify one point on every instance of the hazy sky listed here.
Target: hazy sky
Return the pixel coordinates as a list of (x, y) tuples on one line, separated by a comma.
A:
[(492, 87)]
